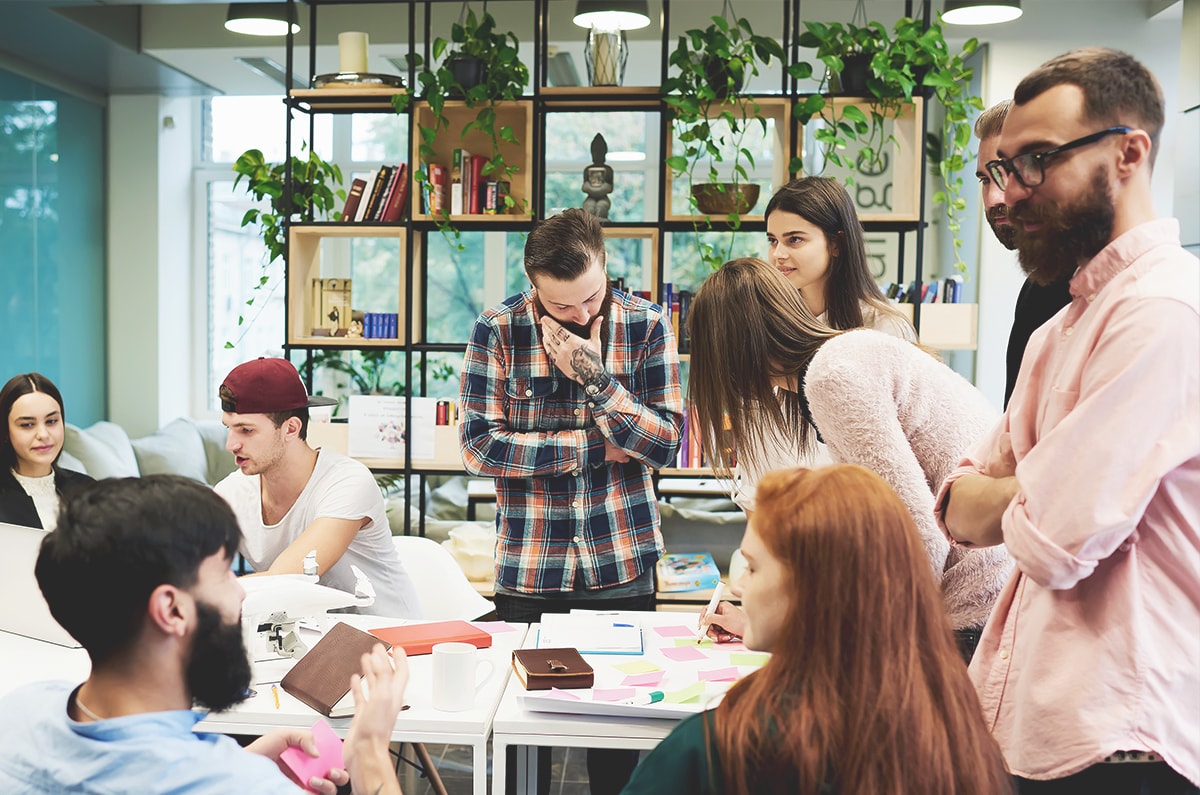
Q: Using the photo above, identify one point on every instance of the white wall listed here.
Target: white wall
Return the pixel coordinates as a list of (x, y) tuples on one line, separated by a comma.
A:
[(148, 263), (1015, 48)]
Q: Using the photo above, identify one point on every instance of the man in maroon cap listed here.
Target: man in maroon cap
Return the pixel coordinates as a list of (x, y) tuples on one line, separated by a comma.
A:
[(291, 500)]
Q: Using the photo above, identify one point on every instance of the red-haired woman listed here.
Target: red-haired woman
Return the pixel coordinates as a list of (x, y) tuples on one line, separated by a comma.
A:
[(865, 691)]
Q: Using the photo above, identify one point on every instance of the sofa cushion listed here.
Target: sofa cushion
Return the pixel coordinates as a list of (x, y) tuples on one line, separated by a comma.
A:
[(103, 449), (175, 449), (220, 461)]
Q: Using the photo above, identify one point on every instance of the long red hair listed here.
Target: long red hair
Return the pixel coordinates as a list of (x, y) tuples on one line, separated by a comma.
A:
[(867, 694)]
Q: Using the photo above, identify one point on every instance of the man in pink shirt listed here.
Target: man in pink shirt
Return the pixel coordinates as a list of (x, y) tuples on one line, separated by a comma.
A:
[(1089, 667)]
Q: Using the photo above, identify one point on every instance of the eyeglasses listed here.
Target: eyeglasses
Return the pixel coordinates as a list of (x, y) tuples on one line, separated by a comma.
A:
[(1030, 169)]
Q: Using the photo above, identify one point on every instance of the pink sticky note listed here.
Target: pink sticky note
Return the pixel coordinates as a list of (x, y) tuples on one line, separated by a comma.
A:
[(720, 675), (676, 632), (613, 694), (562, 695), (494, 627), (643, 680), (305, 766), (736, 645), (684, 654)]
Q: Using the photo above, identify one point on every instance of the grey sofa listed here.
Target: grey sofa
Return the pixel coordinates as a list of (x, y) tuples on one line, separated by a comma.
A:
[(193, 448)]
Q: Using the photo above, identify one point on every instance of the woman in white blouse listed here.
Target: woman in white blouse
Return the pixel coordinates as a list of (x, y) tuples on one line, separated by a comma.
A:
[(30, 478), (765, 372)]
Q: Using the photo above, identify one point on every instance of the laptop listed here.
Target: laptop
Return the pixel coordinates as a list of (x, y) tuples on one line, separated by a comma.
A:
[(23, 609)]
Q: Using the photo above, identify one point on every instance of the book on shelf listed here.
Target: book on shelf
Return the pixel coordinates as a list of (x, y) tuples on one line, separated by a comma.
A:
[(353, 197), (361, 210), (380, 189), (435, 200), (457, 182), (393, 210), (684, 340), (321, 678), (477, 184), (687, 571)]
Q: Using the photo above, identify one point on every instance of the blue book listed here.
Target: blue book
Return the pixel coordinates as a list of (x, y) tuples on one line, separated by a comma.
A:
[(687, 571)]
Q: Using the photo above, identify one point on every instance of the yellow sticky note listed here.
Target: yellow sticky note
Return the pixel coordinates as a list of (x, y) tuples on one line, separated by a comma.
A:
[(707, 643), (689, 693), (637, 667), (749, 658)]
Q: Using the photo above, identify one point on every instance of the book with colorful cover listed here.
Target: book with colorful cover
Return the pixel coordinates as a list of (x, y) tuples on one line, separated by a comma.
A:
[(687, 571)]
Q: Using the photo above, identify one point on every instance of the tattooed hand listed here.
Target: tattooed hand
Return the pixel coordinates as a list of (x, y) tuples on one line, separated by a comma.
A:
[(577, 358)]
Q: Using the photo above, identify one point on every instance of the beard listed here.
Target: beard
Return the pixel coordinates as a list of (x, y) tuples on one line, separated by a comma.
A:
[(1005, 233), (584, 331), (1071, 232), (218, 673)]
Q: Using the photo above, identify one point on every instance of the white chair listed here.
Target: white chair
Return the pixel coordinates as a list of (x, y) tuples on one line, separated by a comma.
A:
[(444, 590)]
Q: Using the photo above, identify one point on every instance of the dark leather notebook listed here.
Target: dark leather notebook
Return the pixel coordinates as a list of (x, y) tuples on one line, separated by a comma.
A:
[(321, 678), (543, 669)]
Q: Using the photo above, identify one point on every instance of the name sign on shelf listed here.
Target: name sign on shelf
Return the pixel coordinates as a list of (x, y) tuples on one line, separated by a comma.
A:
[(377, 427)]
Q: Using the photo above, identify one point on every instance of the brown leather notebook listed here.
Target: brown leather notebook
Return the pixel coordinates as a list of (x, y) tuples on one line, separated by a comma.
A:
[(542, 669), (321, 678)]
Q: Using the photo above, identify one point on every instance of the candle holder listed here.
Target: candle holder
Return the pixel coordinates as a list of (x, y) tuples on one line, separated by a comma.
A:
[(605, 54)]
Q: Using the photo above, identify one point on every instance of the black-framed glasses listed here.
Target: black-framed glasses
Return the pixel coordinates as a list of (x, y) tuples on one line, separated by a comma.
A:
[(1030, 169)]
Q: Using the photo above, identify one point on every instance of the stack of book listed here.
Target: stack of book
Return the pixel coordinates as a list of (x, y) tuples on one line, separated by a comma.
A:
[(463, 188), (381, 197)]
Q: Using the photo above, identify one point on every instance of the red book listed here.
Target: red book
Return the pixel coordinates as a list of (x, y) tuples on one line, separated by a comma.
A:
[(394, 211), (353, 197), (420, 638), (477, 163)]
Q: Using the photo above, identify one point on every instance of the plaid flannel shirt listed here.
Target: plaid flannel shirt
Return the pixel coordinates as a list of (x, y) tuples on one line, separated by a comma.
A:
[(561, 508)]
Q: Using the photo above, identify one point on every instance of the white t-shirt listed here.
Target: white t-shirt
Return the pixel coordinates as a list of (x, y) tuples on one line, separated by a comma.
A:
[(340, 488)]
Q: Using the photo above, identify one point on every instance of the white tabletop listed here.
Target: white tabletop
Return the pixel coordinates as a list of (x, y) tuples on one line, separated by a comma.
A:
[(26, 660), (514, 725)]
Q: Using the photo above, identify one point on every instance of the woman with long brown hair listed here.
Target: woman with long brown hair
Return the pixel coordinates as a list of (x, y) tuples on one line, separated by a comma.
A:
[(865, 692), (763, 369)]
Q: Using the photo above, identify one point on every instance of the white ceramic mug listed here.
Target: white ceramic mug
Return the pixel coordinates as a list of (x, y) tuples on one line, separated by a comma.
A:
[(456, 679)]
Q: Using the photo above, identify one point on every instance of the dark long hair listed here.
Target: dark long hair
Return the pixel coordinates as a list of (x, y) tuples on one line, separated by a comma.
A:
[(823, 202), (748, 324), (17, 387), (866, 692)]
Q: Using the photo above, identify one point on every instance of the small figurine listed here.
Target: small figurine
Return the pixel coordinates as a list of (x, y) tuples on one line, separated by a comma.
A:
[(598, 180)]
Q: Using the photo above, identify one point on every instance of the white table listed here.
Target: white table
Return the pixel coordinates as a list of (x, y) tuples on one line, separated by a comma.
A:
[(514, 725), (25, 660), (419, 723)]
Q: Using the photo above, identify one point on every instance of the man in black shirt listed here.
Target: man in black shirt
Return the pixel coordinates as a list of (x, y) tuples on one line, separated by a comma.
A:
[(1035, 304)]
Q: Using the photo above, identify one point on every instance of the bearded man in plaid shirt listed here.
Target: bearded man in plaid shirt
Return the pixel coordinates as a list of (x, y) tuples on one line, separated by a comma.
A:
[(570, 397)]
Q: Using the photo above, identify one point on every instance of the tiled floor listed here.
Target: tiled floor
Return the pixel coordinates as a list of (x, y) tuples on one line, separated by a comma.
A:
[(568, 771)]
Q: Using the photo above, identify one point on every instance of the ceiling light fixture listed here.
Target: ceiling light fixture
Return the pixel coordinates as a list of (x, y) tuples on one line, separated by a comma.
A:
[(980, 12), (261, 19), (612, 14)]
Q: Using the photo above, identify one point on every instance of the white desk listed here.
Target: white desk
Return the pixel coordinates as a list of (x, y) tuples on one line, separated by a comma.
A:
[(25, 660), (514, 725), (419, 723)]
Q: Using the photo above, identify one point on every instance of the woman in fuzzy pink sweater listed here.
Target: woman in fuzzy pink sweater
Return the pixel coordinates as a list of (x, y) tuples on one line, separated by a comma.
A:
[(763, 369)]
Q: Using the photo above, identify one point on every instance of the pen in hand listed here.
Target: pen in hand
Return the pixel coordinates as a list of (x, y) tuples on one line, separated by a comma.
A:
[(711, 610)]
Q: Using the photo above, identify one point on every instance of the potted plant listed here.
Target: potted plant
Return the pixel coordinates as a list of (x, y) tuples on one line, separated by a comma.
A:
[(910, 58), (311, 195), (712, 114), (482, 67)]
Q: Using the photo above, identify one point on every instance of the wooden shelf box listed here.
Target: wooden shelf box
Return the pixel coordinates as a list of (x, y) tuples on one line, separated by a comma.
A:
[(892, 194), (305, 244), (517, 115), (947, 327)]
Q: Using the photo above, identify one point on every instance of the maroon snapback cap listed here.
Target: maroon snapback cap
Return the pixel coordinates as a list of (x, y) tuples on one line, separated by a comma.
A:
[(267, 386)]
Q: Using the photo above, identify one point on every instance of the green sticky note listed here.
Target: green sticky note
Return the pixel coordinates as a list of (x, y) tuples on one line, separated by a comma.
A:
[(707, 643), (689, 693), (637, 667), (749, 658)]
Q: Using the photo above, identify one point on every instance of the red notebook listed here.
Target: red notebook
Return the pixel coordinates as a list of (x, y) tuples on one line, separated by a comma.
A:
[(420, 638)]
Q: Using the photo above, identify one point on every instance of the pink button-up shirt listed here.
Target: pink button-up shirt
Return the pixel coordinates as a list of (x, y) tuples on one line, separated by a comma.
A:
[(1094, 644)]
